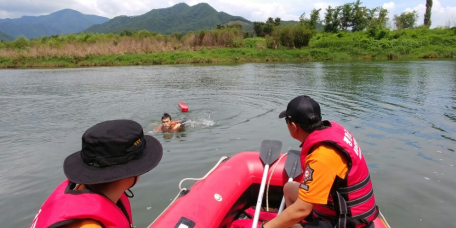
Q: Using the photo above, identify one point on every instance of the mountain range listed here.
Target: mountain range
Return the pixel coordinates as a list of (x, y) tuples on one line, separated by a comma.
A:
[(5, 37), (178, 18), (61, 22)]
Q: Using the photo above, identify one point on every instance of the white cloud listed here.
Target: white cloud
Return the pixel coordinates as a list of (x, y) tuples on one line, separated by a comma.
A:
[(391, 7), (440, 16), (253, 10), (18, 8), (256, 10)]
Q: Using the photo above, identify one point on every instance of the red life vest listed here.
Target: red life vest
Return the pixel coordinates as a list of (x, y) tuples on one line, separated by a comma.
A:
[(351, 201), (65, 206)]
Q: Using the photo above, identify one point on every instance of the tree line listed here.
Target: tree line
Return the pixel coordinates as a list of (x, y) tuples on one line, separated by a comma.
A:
[(350, 17)]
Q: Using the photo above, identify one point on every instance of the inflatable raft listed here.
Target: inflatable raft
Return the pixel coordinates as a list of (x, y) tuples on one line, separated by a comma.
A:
[(221, 197)]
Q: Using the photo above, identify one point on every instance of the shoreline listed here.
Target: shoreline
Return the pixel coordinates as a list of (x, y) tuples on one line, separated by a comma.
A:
[(205, 56), (223, 47)]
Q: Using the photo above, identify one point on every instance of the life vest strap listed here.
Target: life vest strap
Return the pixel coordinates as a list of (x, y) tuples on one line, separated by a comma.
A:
[(343, 211), (355, 187), (362, 218), (360, 200)]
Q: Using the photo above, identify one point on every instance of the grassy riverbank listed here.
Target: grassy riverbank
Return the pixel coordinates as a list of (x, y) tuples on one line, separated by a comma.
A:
[(229, 46)]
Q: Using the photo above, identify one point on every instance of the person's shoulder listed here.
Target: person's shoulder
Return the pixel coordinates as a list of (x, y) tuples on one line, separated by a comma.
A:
[(158, 128), (87, 223), (324, 152), (328, 156)]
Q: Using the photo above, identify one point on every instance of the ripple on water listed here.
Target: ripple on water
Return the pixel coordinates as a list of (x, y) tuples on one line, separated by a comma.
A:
[(400, 112)]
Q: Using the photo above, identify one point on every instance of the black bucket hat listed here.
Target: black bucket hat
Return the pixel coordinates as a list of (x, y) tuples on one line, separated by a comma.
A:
[(111, 151)]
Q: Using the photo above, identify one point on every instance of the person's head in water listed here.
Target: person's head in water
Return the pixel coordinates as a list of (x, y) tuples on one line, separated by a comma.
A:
[(168, 125), (166, 121)]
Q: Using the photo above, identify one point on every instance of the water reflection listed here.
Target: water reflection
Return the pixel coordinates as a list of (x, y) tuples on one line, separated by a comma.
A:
[(177, 135)]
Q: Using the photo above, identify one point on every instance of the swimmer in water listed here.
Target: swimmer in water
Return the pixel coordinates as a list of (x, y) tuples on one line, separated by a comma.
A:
[(168, 125)]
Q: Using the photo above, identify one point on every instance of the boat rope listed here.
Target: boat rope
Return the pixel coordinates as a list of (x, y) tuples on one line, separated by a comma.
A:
[(183, 190), (269, 181), (202, 178)]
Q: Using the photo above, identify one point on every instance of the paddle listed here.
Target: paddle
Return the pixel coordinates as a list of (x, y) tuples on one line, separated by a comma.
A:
[(269, 153), (293, 169)]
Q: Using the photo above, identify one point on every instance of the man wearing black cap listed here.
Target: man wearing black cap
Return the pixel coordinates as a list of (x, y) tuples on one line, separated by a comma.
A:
[(336, 185), (114, 154)]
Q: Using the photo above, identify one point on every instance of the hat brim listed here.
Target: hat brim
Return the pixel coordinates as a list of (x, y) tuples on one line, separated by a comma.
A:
[(283, 114), (78, 172)]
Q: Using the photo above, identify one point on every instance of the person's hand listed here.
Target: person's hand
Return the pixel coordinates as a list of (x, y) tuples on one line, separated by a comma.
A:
[(177, 125)]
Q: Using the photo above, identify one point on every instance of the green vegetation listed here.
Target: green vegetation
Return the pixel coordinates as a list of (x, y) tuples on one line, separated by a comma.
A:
[(406, 20), (349, 32), (265, 29), (385, 44), (223, 46)]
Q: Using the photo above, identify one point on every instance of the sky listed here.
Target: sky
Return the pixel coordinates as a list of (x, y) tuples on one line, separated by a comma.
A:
[(443, 11)]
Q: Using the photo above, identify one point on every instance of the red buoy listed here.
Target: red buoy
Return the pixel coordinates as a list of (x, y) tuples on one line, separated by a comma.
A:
[(183, 107)]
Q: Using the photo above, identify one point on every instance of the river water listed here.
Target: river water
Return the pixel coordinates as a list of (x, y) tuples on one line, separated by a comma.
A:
[(402, 113)]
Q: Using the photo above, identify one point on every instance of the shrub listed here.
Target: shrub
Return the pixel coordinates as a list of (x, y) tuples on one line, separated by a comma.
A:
[(20, 43)]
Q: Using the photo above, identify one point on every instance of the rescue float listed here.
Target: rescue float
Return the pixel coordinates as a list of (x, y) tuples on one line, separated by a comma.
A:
[(182, 106), (225, 196)]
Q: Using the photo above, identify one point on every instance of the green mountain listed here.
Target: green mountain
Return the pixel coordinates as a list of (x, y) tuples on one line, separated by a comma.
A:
[(61, 22), (178, 18), (5, 37)]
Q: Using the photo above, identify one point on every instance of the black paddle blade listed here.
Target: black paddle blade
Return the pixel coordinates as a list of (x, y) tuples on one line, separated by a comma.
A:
[(293, 163), (270, 151)]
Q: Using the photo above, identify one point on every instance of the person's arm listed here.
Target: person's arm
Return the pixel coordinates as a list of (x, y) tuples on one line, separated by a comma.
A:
[(177, 125), (318, 178), (158, 128), (291, 215)]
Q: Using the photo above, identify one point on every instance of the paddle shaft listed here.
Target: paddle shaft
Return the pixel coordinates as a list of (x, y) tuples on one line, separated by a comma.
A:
[(269, 152), (260, 197), (282, 204)]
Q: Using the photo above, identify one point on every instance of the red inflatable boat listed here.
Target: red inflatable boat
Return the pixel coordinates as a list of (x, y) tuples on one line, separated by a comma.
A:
[(230, 188)]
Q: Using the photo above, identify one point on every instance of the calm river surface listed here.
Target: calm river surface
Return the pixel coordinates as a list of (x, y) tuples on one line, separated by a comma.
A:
[(403, 115)]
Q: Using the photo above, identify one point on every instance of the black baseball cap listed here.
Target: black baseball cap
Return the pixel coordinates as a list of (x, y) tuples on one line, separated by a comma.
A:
[(301, 110)]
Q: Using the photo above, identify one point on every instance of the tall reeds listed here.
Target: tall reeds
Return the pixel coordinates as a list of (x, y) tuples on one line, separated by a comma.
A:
[(141, 42)]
